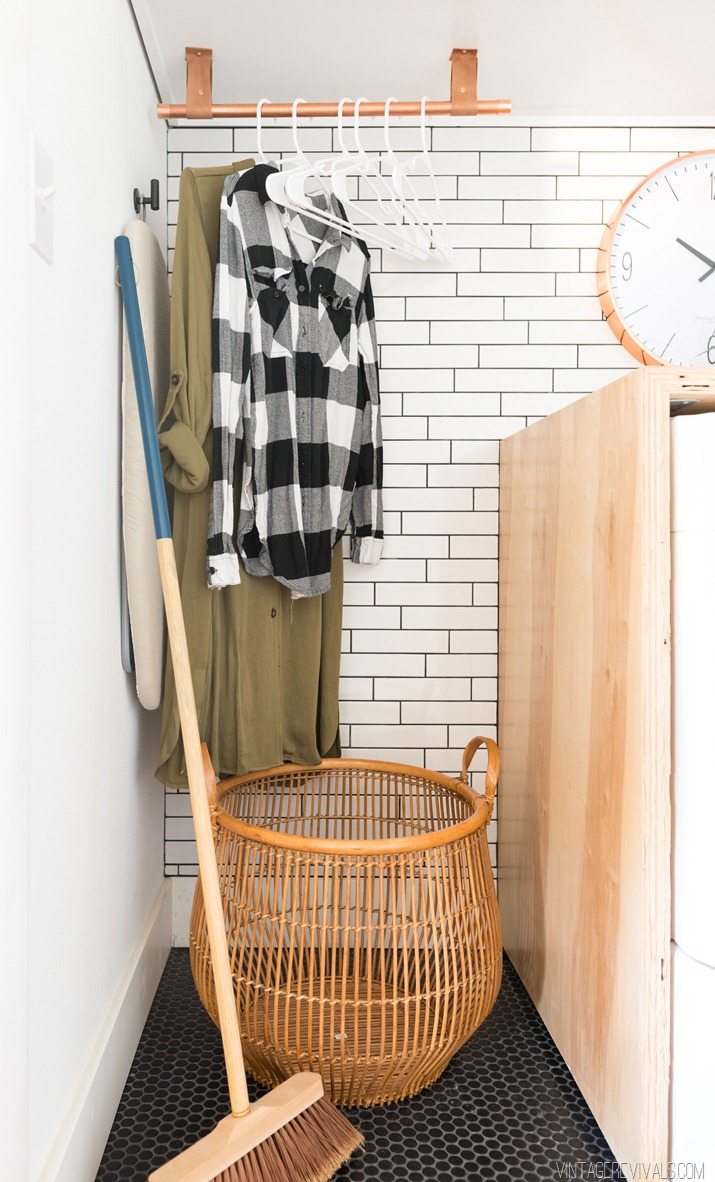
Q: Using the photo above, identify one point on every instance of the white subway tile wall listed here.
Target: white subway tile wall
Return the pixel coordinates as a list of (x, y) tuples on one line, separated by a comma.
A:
[(469, 354)]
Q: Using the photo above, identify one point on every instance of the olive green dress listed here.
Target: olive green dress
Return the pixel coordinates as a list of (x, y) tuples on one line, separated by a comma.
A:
[(265, 667)]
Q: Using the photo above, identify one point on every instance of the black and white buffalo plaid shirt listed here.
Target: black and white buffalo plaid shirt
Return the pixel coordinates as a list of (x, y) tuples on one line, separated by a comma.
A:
[(297, 451)]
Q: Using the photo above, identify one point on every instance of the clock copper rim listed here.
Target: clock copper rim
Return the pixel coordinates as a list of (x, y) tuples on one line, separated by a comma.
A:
[(608, 306)]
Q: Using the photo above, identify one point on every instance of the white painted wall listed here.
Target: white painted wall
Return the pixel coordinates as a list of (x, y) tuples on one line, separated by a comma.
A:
[(95, 810), (555, 57), (14, 604)]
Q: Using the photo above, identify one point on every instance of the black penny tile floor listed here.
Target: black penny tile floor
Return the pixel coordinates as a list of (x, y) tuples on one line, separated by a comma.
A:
[(505, 1109)]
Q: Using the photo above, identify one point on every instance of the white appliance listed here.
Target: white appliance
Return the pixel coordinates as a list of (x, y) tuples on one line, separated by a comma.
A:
[(693, 786)]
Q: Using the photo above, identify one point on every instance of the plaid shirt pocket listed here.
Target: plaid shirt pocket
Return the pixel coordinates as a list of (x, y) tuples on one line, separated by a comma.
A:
[(337, 332), (271, 294)]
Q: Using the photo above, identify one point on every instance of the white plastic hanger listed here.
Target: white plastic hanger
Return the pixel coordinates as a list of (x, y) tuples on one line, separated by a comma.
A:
[(276, 182), (326, 164), (390, 234), (339, 163), (440, 247), (441, 241), (413, 218), (295, 197), (322, 168), (402, 223), (358, 164), (335, 161), (259, 131)]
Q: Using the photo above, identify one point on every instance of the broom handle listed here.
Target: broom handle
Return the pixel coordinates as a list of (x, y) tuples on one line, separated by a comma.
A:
[(208, 868)]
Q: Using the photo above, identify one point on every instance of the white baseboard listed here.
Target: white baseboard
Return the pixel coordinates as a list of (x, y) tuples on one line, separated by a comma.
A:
[(182, 896), (78, 1147)]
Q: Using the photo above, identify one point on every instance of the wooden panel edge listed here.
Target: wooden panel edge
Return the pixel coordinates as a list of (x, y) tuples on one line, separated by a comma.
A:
[(655, 428)]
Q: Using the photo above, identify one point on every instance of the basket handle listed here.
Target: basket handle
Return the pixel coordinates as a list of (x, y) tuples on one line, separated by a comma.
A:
[(493, 761), (211, 783)]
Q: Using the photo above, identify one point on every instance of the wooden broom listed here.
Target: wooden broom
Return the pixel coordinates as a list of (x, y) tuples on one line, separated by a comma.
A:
[(292, 1134)]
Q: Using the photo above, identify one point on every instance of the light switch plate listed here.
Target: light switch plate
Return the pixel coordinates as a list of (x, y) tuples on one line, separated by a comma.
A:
[(42, 201)]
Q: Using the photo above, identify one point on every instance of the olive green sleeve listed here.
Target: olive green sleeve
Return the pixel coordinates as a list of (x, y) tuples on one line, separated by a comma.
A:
[(186, 415)]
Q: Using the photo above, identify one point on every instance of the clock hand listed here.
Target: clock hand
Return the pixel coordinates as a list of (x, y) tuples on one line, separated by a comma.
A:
[(697, 253), (704, 258)]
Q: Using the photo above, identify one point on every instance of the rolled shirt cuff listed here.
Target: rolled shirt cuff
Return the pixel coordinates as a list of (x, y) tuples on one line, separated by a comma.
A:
[(183, 460), (223, 570), (367, 549)]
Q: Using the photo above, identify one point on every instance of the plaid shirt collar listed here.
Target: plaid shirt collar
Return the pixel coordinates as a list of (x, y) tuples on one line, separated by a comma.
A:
[(254, 180)]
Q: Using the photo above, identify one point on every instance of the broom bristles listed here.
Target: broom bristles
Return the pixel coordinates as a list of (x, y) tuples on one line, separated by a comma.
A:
[(310, 1148)]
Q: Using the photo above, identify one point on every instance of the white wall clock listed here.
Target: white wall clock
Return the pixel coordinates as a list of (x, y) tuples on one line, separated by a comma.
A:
[(656, 277)]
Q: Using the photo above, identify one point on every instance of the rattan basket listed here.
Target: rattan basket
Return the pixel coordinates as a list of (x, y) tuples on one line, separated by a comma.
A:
[(362, 921)]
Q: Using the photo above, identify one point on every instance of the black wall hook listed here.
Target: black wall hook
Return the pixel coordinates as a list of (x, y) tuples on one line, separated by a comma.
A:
[(152, 200)]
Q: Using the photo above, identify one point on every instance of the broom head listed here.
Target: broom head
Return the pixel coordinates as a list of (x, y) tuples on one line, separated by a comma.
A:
[(292, 1134)]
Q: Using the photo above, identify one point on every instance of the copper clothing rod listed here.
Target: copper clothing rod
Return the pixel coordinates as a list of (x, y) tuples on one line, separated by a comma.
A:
[(326, 110), (199, 103)]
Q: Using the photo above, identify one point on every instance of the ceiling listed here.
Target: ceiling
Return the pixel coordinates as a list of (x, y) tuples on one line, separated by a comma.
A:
[(551, 57)]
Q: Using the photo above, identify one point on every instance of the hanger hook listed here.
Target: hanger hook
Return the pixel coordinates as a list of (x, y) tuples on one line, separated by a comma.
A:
[(443, 246), (259, 129), (423, 122), (341, 124), (386, 129), (356, 124), (298, 149)]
